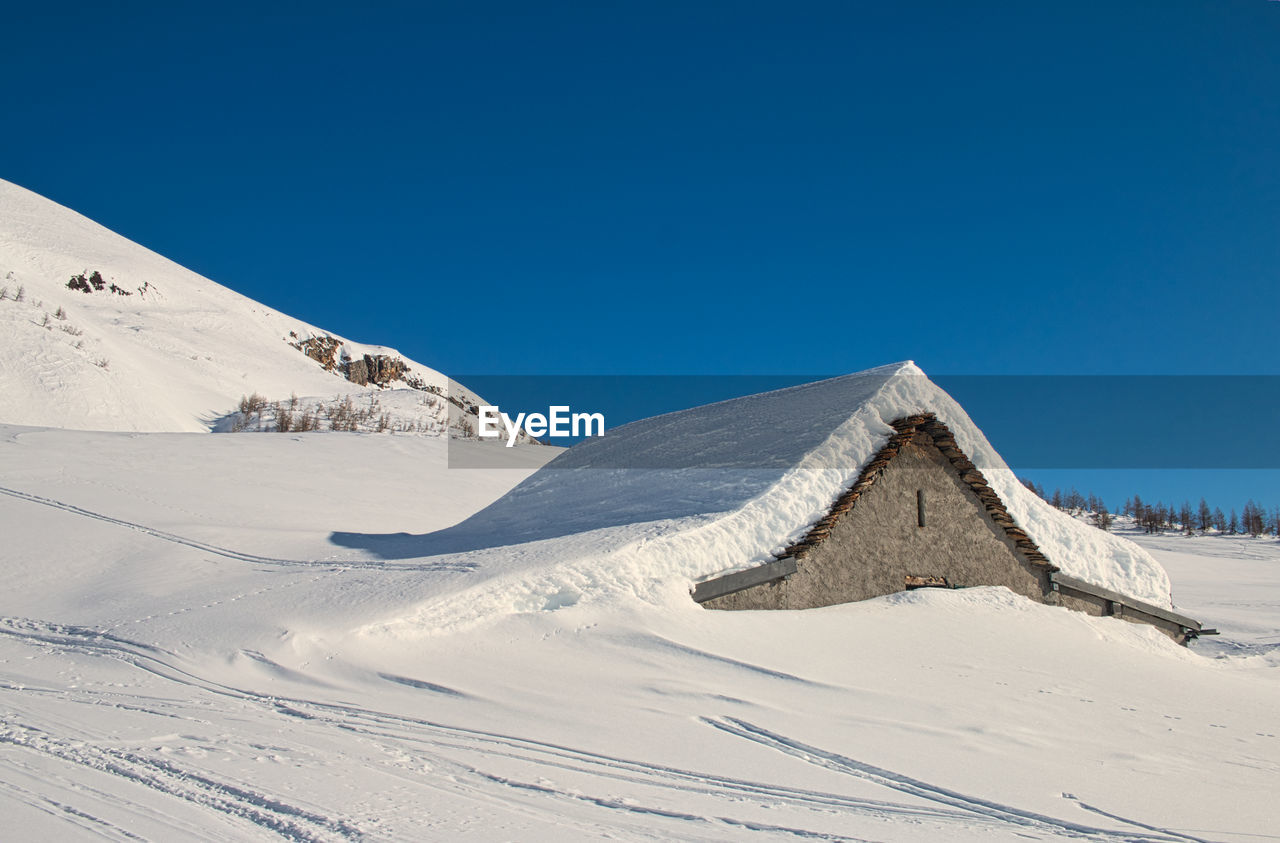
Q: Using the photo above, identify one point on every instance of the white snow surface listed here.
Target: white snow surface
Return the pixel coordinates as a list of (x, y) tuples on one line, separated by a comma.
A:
[(336, 636), (185, 655), (658, 504), (175, 355)]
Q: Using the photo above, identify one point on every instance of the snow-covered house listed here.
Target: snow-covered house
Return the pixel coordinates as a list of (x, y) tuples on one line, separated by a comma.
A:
[(826, 492), (920, 515)]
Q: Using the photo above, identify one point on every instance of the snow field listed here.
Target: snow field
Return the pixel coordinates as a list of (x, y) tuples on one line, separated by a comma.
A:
[(180, 658)]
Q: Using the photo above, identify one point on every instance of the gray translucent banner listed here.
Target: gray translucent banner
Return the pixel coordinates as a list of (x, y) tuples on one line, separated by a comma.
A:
[(1033, 422)]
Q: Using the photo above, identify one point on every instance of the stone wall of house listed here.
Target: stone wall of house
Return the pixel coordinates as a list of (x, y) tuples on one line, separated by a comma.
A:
[(875, 546)]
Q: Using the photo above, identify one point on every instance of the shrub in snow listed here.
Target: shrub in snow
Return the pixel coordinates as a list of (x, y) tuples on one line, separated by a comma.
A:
[(306, 422), (344, 413), (252, 404), (1102, 519), (284, 419), (342, 416)]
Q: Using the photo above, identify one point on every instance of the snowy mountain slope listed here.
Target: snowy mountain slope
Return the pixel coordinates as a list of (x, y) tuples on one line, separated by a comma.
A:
[(180, 660), (157, 348), (657, 504)]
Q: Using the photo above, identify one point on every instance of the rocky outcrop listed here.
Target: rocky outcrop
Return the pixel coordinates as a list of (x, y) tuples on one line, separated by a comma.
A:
[(378, 369), (375, 369), (88, 283), (322, 349)]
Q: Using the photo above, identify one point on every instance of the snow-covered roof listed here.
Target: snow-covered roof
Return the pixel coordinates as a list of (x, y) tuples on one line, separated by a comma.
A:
[(662, 502)]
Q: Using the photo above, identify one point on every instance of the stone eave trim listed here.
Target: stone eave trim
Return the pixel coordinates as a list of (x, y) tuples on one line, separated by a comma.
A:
[(742, 580), (1062, 581)]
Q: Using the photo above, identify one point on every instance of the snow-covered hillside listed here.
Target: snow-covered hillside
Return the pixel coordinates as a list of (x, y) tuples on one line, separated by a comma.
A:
[(146, 344), (184, 655)]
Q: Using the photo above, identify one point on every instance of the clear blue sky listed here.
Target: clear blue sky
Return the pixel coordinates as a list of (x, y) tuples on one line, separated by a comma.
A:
[(689, 187)]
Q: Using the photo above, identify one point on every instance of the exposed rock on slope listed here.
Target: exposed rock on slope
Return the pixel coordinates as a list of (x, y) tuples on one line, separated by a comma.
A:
[(378, 369)]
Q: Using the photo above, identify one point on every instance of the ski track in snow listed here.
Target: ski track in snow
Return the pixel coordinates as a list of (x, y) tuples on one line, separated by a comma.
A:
[(440, 745), (289, 821), (62, 811), (915, 787), (235, 554)]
